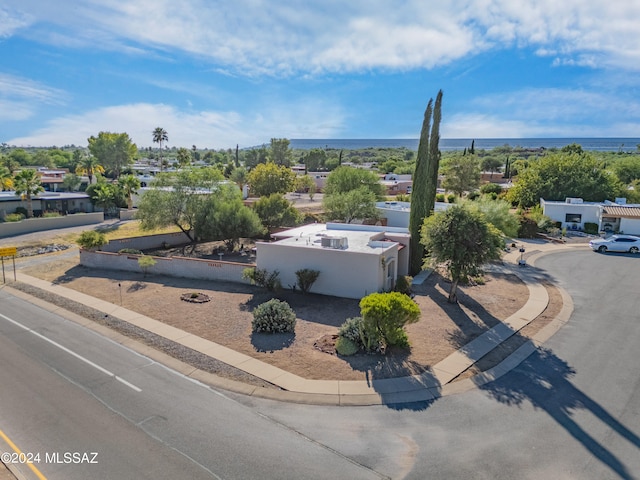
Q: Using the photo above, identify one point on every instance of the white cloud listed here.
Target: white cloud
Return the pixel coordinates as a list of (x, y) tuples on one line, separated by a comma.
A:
[(20, 97), (185, 128), (294, 36), (11, 21)]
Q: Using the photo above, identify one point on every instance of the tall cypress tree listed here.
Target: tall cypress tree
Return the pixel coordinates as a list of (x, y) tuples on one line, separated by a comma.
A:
[(425, 180)]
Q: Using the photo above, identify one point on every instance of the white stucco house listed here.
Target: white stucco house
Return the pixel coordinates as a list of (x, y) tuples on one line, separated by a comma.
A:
[(573, 213), (353, 260), (397, 213)]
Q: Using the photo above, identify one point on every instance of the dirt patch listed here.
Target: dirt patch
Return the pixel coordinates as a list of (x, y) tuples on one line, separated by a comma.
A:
[(226, 319)]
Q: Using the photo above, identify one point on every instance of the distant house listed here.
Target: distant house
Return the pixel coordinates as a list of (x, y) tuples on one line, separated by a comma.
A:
[(353, 260), (397, 213), (62, 202), (573, 213)]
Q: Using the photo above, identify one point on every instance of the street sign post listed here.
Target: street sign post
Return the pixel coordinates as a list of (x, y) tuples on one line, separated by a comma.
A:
[(8, 252)]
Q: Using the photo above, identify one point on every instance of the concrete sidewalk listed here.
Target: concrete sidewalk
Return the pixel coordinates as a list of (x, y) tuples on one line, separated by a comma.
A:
[(438, 381)]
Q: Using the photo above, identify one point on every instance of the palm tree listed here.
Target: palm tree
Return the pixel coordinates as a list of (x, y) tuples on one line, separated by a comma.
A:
[(27, 184), (6, 179), (160, 135), (130, 185), (89, 166)]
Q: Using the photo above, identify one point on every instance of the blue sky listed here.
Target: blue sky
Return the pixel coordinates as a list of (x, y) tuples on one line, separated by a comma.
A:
[(218, 73)]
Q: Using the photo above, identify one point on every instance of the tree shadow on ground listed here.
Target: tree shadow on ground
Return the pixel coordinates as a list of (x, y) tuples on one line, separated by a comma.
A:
[(543, 380), (270, 342)]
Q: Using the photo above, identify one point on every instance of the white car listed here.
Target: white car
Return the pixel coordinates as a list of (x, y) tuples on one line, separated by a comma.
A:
[(616, 243)]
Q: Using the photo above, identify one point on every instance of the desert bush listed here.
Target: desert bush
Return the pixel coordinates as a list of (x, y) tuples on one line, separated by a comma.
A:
[(131, 251), (440, 197), (473, 195), (387, 314), (23, 211), (306, 278), (591, 228), (90, 239), (51, 215), (491, 188), (13, 217), (451, 198), (354, 330), (145, 262), (274, 316), (403, 284), (346, 347), (263, 278)]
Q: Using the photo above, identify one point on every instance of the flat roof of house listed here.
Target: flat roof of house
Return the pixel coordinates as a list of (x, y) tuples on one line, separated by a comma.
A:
[(10, 196), (406, 206), (358, 239)]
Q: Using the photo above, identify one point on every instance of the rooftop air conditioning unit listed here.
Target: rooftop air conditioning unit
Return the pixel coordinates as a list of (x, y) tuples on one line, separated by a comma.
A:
[(573, 200), (339, 243)]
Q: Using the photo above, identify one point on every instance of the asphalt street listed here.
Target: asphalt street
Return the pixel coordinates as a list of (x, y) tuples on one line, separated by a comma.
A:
[(570, 411)]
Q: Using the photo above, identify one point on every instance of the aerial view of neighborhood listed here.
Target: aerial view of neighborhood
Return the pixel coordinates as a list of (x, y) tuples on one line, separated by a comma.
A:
[(321, 241)]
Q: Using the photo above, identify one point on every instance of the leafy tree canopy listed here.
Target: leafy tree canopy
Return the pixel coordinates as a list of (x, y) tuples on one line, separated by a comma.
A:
[(114, 151), (268, 178), (462, 174), (353, 204), (276, 211), (561, 175), (461, 240), (346, 179), (280, 153)]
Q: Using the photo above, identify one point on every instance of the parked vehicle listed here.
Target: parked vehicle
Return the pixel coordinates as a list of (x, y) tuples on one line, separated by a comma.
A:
[(616, 243)]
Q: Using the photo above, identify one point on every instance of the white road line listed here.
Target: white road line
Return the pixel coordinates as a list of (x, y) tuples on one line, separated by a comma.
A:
[(71, 352)]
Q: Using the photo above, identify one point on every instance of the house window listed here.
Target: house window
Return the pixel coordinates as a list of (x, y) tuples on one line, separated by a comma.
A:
[(573, 218)]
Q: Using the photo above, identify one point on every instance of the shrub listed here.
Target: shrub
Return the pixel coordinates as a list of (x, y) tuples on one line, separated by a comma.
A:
[(90, 239), (591, 228), (14, 217), (131, 251), (403, 284), (354, 330), (451, 198), (51, 215), (306, 278), (473, 195), (273, 316), (145, 263), (403, 197), (387, 314), (491, 188), (262, 278), (440, 197), (346, 347), (22, 211), (528, 228)]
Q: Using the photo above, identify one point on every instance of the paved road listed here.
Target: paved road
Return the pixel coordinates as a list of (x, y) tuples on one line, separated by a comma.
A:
[(84, 393), (570, 411)]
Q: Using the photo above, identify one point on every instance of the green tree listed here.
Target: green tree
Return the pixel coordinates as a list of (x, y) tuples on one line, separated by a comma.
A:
[(6, 179), (314, 159), (26, 183), (346, 179), (627, 169), (491, 164), (561, 175), (255, 157), (179, 200), (268, 178), (239, 176), (353, 204), (304, 183), (71, 182), (425, 180), (280, 153), (89, 166), (160, 135), (497, 213), (130, 186), (462, 174), (183, 156), (107, 196), (20, 157), (114, 151), (276, 211), (386, 314), (224, 217), (461, 240)]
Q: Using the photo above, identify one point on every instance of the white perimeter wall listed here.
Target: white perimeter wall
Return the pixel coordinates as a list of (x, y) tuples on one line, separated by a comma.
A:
[(30, 225), (343, 273), (147, 242), (173, 266)]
